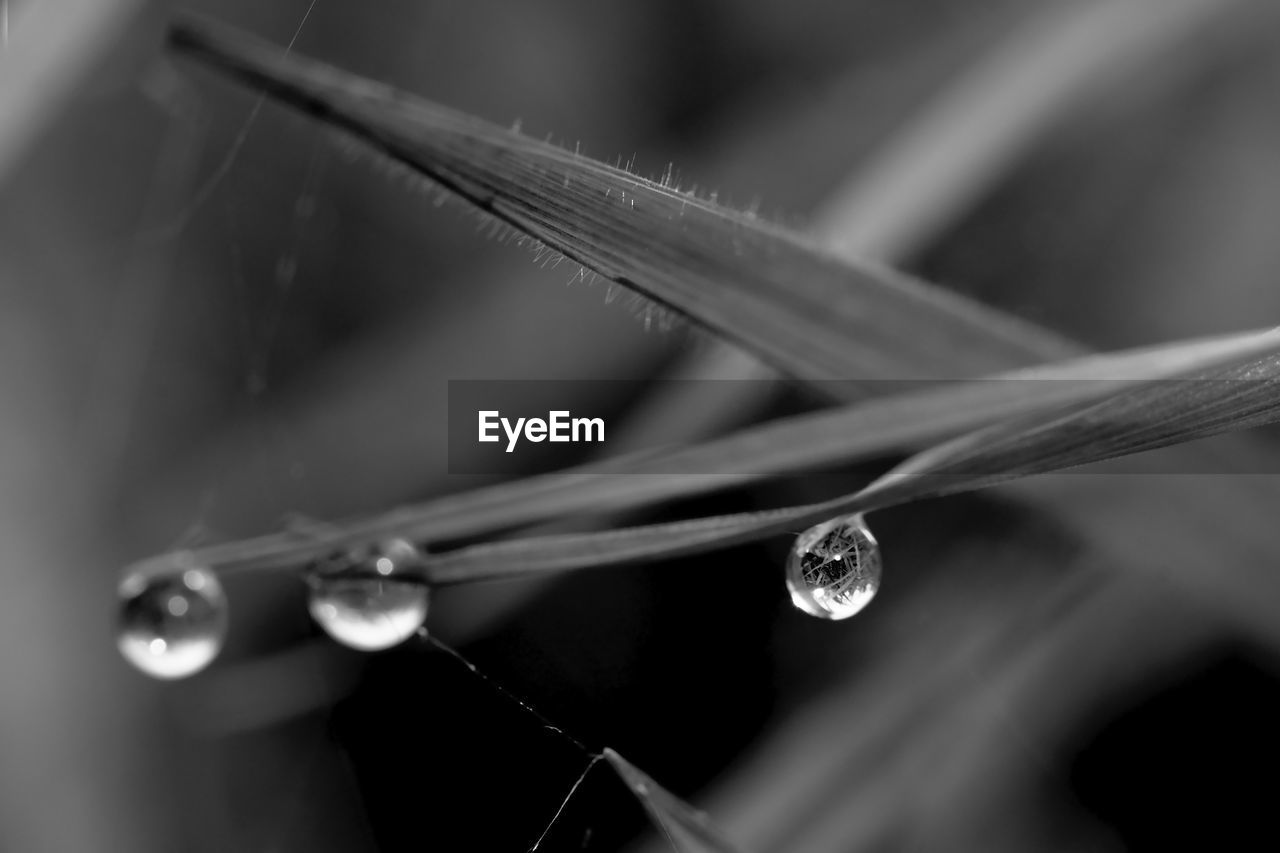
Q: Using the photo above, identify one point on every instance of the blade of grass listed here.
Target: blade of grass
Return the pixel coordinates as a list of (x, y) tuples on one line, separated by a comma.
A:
[(809, 441), (955, 148), (1234, 396), (1238, 395), (949, 153), (1146, 416), (686, 828), (789, 445), (767, 289)]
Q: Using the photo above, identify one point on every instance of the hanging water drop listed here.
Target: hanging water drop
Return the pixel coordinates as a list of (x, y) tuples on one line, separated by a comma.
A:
[(172, 623), (833, 570), (369, 600)]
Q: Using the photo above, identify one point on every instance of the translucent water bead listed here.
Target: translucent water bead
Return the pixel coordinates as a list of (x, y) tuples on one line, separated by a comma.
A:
[(369, 600), (833, 570), (172, 623)]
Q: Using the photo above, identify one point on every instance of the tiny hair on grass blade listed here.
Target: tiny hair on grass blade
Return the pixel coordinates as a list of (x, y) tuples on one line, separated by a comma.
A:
[(814, 316)]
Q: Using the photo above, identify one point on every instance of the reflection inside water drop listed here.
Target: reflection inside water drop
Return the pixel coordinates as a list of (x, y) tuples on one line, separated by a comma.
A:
[(833, 570), (369, 600), (172, 623)]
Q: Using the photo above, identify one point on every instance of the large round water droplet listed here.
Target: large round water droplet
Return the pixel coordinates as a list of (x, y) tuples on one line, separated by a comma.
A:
[(172, 623), (370, 600), (833, 570)]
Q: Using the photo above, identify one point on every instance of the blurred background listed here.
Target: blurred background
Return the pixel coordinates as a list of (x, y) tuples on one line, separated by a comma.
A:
[(210, 327)]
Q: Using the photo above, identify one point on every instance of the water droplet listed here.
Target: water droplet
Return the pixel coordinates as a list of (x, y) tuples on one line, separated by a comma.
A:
[(172, 623), (358, 599), (833, 570)]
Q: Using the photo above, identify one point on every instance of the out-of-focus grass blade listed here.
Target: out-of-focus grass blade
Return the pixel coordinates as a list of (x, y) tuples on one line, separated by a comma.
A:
[(54, 46), (798, 307), (789, 445), (1238, 395), (688, 830), (990, 114), (971, 695)]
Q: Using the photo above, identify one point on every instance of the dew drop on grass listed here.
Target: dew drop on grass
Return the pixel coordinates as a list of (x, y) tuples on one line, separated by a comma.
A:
[(172, 623), (369, 600), (833, 570)]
